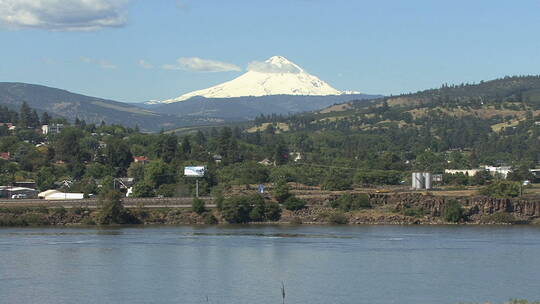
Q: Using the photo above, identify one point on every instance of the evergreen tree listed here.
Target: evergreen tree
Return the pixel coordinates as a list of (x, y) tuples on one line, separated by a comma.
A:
[(25, 116)]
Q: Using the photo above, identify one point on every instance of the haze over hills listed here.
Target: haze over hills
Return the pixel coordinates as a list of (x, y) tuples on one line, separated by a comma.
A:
[(275, 76)]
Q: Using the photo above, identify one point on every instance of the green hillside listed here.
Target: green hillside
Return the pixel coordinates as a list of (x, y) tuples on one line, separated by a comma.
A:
[(492, 122)]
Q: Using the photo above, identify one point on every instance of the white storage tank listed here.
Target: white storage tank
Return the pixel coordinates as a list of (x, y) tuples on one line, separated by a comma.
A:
[(417, 180), (428, 180)]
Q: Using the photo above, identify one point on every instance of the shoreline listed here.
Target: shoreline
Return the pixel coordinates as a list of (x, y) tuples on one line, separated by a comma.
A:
[(321, 216)]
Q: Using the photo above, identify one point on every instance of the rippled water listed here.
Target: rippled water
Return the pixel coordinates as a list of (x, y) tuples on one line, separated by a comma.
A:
[(247, 264)]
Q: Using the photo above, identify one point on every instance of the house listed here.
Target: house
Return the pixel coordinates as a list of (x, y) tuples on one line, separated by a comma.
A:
[(141, 159), (17, 192), (4, 155), (217, 158), (123, 182), (52, 129), (295, 156), (266, 162), (502, 171), (9, 125)]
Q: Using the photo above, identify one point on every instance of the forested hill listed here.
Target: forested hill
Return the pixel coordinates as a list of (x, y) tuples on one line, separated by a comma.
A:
[(493, 122), (62, 103)]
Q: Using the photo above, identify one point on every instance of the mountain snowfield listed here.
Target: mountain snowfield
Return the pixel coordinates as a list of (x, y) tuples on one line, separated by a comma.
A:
[(275, 76)]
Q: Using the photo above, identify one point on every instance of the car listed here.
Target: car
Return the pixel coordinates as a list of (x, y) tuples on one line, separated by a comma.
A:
[(18, 196)]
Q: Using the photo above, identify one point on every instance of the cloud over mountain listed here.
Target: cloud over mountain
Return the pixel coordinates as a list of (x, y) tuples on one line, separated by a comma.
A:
[(197, 64), (63, 15)]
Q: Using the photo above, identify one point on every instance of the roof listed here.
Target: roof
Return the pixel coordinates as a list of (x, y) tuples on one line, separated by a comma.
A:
[(47, 193), (62, 196), (14, 189), (4, 155), (140, 158)]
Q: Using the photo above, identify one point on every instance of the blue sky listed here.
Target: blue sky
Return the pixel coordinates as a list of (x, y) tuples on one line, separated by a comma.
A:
[(132, 50)]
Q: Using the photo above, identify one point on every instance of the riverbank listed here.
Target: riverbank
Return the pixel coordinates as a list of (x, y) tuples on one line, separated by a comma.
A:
[(385, 215)]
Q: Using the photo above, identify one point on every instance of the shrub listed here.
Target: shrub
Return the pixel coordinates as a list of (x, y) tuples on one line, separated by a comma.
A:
[(33, 219), (112, 211), (9, 220), (249, 208), (198, 206), (453, 212), (59, 211), (502, 189), (415, 212), (296, 221), (167, 190), (378, 177), (88, 221), (219, 199), (337, 218), (348, 202), (209, 219), (293, 203), (236, 209), (258, 209), (281, 191), (336, 181), (272, 212), (143, 189), (499, 218)]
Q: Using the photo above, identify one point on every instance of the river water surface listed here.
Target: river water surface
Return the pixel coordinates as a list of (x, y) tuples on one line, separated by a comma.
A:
[(248, 264)]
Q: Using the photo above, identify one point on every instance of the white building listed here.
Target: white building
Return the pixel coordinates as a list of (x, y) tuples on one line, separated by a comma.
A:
[(52, 129), (501, 171), (469, 172)]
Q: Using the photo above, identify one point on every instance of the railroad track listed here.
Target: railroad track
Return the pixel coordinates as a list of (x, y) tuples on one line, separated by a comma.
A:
[(173, 202)]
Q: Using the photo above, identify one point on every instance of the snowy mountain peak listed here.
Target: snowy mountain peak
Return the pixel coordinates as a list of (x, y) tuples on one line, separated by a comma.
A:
[(275, 76), (282, 62)]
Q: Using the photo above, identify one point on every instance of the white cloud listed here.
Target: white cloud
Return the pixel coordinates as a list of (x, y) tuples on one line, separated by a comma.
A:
[(102, 63), (197, 64), (145, 64), (63, 15), (266, 67)]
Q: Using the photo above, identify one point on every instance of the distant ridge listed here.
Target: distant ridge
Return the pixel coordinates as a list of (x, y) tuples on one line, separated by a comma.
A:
[(70, 105)]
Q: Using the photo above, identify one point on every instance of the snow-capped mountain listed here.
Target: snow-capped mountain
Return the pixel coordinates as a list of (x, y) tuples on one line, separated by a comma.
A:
[(275, 76)]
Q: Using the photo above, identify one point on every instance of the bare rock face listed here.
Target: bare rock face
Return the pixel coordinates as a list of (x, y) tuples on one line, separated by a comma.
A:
[(475, 207)]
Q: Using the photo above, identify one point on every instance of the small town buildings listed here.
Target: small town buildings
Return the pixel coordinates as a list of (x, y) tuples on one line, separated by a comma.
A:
[(501, 171), (217, 158), (141, 159), (17, 192), (295, 156), (4, 155), (52, 129), (266, 162), (469, 172), (9, 125)]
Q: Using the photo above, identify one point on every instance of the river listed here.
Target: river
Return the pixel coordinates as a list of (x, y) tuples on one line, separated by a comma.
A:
[(248, 264)]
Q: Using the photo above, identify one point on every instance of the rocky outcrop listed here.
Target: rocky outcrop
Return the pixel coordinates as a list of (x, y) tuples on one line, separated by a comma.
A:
[(475, 206)]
